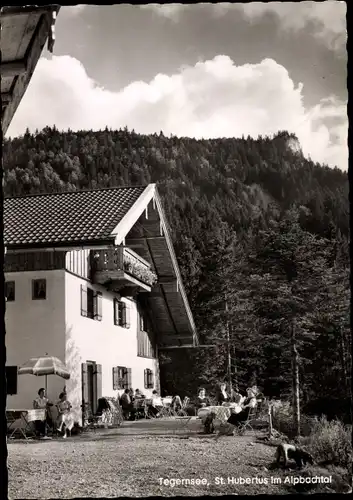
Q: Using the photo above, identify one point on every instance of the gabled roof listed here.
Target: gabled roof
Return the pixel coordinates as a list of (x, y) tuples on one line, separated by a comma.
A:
[(131, 216), (64, 219), (24, 32)]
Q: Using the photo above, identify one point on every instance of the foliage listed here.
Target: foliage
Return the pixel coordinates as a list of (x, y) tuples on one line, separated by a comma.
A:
[(282, 420), (233, 206), (139, 271), (330, 443)]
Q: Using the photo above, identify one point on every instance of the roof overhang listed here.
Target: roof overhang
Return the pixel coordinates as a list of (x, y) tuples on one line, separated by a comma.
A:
[(24, 32), (144, 228)]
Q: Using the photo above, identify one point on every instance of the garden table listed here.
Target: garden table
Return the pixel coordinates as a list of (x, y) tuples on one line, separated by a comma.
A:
[(19, 420), (222, 412)]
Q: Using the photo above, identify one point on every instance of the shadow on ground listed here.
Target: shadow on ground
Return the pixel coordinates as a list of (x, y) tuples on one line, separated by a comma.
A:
[(142, 429)]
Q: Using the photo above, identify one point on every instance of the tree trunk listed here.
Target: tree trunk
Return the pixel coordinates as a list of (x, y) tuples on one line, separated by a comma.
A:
[(229, 357), (345, 359), (295, 381), (235, 373)]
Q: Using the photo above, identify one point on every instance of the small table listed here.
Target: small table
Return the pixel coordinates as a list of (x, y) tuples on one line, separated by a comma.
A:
[(221, 412), (19, 420)]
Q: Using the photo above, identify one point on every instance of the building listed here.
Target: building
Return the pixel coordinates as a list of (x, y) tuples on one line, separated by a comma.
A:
[(91, 278), (25, 30)]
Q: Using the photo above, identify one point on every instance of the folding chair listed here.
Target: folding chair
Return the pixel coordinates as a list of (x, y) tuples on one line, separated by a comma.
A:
[(182, 415), (248, 423), (116, 410), (140, 408), (90, 421), (14, 420), (182, 411)]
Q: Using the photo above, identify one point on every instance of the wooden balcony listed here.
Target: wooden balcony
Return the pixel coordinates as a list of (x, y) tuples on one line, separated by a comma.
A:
[(121, 270)]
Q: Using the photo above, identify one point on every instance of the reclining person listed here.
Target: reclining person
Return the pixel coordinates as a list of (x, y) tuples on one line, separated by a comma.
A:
[(237, 419)]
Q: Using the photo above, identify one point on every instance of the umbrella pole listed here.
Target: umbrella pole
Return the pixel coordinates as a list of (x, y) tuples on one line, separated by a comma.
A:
[(46, 385)]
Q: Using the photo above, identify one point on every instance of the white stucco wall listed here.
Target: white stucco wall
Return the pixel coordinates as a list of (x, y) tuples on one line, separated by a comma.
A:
[(34, 328), (102, 342), (55, 326)]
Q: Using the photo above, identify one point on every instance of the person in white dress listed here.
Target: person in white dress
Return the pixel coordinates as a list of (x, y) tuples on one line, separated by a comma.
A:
[(65, 418)]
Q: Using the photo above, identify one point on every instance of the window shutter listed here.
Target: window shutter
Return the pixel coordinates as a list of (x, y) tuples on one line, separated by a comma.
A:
[(121, 377), (83, 301), (116, 316), (115, 378), (98, 381), (123, 313), (146, 378), (129, 378), (124, 378), (150, 381), (98, 306), (126, 315), (84, 372)]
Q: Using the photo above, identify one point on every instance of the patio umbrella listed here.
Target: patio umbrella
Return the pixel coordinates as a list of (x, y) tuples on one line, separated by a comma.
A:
[(45, 365)]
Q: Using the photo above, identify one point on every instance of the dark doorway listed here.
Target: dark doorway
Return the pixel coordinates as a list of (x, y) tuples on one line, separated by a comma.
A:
[(91, 384)]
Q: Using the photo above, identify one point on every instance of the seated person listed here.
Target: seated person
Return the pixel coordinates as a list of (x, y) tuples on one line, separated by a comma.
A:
[(202, 400), (139, 403), (156, 404), (65, 418), (127, 405), (237, 419), (132, 395), (139, 394), (43, 403), (222, 396)]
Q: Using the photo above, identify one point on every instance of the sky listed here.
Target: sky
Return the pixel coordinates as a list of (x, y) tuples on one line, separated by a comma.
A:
[(202, 70)]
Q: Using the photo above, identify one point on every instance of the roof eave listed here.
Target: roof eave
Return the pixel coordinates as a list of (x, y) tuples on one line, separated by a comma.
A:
[(15, 10), (43, 32), (131, 217), (175, 264), (133, 214), (62, 245)]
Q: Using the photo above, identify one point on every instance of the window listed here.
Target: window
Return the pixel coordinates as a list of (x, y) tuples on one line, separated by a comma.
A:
[(121, 314), (142, 322), (11, 380), (39, 289), (149, 382), (121, 378), (91, 303), (10, 291)]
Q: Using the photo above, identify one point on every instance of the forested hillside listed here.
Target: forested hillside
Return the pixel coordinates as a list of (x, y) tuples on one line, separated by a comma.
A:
[(256, 227)]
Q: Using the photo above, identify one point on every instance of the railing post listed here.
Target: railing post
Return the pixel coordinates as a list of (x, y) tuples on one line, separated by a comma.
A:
[(119, 257)]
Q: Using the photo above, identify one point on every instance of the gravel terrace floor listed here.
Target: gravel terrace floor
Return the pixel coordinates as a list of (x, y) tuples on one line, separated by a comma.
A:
[(133, 459)]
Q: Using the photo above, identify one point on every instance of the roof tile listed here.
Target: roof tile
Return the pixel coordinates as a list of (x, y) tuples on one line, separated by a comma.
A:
[(74, 217)]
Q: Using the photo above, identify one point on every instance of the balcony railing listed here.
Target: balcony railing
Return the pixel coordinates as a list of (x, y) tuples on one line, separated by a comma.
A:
[(122, 259)]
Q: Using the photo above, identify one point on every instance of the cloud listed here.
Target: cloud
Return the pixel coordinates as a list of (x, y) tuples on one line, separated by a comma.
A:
[(72, 10), (214, 98), (170, 11), (327, 19)]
